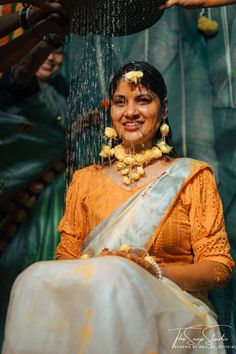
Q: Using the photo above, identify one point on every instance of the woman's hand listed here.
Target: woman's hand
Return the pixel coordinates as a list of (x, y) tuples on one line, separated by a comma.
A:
[(51, 25), (193, 4), (134, 258), (52, 6)]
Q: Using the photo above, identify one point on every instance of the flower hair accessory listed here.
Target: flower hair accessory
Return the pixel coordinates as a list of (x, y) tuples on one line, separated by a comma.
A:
[(133, 76)]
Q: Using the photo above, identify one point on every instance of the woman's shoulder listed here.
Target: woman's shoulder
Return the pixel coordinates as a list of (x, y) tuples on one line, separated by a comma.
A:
[(91, 171), (195, 168), (200, 181)]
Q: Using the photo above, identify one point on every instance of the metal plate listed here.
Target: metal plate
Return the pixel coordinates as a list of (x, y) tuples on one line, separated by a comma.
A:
[(113, 17)]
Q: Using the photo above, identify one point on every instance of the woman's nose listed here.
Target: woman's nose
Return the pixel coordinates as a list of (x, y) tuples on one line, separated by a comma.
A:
[(131, 111)]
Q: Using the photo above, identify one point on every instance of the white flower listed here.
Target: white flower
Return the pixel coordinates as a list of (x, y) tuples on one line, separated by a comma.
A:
[(84, 256), (124, 171), (140, 170), (165, 149), (120, 165), (139, 159), (126, 180), (125, 248), (133, 76), (164, 129), (149, 259), (129, 160), (110, 133), (156, 152), (105, 151)]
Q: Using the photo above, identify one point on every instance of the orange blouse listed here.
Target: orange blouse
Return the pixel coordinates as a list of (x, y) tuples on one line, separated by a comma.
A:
[(191, 231)]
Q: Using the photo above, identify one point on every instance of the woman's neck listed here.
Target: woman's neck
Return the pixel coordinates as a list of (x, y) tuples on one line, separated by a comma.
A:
[(137, 148)]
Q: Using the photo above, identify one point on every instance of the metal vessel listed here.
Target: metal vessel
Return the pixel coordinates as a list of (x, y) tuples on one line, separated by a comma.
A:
[(113, 17)]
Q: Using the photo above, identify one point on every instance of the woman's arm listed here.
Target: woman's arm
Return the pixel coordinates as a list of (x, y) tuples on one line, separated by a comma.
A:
[(201, 276)]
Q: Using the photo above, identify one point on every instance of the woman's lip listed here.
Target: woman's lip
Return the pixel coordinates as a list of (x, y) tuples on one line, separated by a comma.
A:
[(133, 123), (133, 127)]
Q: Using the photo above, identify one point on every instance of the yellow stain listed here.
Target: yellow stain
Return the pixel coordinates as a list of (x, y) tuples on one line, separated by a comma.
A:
[(89, 312), (86, 269)]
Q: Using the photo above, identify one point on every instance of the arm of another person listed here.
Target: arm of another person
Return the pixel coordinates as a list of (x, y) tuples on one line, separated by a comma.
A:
[(23, 71), (192, 4), (9, 23), (53, 6), (13, 51)]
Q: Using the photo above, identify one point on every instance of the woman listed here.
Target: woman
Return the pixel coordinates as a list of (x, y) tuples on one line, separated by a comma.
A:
[(149, 230)]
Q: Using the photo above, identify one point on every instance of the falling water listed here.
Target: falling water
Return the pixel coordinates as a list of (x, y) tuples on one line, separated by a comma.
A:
[(92, 65)]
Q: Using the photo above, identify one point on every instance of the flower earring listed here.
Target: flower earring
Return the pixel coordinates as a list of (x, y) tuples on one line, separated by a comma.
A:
[(107, 150), (163, 146)]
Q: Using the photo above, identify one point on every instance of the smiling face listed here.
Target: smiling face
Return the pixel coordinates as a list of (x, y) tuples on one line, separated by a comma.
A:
[(136, 114), (51, 66)]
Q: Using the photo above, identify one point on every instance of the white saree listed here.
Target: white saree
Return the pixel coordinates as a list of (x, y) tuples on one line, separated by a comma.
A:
[(110, 305)]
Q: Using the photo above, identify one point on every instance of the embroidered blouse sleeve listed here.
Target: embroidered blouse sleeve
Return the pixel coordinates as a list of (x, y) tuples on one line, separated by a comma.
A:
[(71, 225), (208, 234)]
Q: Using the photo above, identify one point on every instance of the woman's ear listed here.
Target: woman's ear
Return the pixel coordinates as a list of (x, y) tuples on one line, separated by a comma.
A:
[(165, 108)]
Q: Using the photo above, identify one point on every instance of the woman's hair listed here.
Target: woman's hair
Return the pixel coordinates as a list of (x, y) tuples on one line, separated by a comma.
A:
[(151, 79)]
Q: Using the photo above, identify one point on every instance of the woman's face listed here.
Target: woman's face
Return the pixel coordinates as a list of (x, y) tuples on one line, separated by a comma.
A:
[(136, 114)]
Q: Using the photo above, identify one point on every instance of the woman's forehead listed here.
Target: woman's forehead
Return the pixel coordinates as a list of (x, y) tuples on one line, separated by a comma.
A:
[(125, 87)]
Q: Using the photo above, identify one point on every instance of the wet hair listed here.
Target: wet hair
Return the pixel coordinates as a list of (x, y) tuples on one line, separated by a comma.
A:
[(151, 79)]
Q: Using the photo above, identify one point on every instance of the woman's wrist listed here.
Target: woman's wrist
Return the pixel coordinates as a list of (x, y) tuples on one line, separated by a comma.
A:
[(24, 16)]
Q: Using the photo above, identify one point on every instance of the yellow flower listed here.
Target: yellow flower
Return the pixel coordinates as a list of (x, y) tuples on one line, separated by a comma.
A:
[(139, 159), (112, 152), (110, 133), (102, 154), (125, 171), (150, 259), (207, 26), (105, 151), (134, 176), (84, 256), (133, 76), (148, 156), (140, 170), (156, 152), (120, 165), (164, 129), (125, 248), (165, 149), (126, 180), (129, 160), (119, 156)]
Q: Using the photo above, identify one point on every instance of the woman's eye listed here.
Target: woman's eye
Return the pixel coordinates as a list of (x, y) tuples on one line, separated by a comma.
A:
[(119, 101), (144, 100)]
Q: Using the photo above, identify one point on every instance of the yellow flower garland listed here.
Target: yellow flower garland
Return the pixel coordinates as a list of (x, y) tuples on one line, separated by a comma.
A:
[(131, 166)]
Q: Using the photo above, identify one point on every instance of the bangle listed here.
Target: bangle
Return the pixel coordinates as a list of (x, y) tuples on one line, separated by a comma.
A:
[(25, 4), (158, 270), (23, 18)]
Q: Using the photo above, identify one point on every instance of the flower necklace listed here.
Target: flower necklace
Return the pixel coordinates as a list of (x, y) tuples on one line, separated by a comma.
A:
[(131, 165)]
